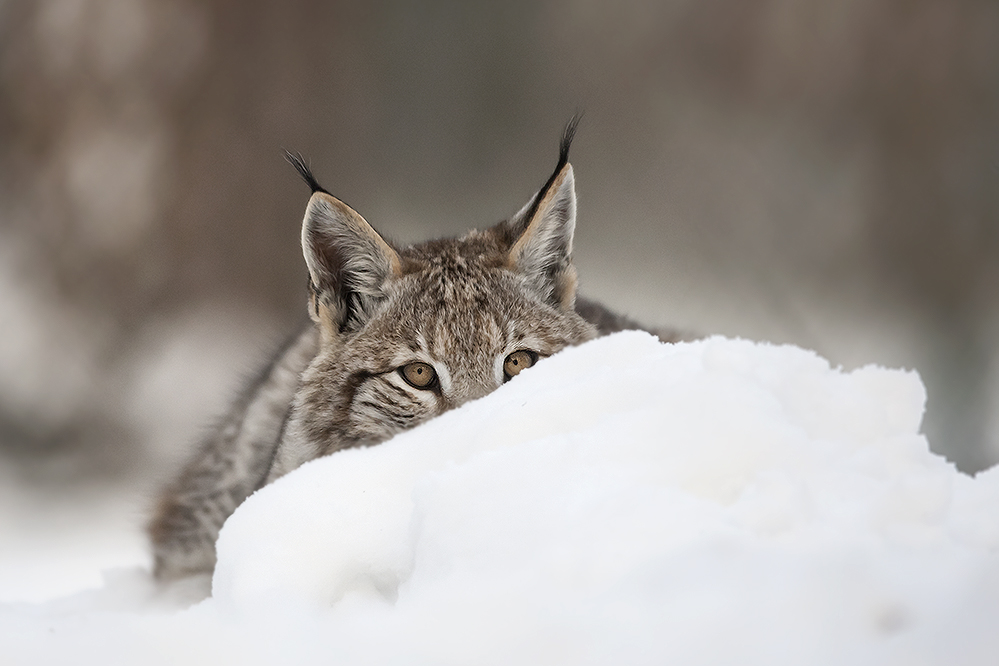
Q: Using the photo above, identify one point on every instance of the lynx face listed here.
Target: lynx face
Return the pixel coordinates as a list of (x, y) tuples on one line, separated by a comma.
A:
[(442, 336), (406, 334)]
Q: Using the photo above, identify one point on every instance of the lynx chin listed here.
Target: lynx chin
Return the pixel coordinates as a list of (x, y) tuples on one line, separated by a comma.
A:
[(398, 336)]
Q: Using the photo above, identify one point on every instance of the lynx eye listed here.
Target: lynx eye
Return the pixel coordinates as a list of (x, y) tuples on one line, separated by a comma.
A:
[(419, 375), (517, 361)]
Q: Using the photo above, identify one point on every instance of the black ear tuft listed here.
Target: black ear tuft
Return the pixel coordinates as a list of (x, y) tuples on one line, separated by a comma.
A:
[(568, 134), (297, 161)]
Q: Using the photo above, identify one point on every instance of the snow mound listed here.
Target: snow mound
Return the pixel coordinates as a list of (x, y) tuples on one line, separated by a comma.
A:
[(624, 501)]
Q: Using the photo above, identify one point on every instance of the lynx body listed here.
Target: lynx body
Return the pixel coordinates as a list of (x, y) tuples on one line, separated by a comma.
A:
[(397, 337)]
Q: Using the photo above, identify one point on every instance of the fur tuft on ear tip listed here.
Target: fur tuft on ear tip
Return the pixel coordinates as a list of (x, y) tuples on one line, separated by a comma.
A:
[(297, 161), (568, 134)]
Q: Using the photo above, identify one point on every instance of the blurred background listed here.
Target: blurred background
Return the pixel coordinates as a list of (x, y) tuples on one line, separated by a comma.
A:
[(803, 171)]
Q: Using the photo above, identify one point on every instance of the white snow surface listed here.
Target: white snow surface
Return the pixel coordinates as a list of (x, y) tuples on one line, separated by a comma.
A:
[(623, 502)]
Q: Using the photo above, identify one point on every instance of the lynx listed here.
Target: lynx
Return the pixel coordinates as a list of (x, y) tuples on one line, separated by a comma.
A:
[(397, 336)]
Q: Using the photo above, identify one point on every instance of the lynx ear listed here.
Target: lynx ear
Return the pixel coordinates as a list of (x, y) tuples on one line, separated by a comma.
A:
[(348, 262), (542, 232)]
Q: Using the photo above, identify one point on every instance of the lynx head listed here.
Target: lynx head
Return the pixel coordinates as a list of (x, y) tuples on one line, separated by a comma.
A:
[(407, 333)]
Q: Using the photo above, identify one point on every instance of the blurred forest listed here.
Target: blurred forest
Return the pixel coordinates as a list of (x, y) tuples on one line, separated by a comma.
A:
[(813, 172)]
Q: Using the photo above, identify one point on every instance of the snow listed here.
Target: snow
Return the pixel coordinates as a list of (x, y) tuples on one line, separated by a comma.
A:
[(624, 501), (53, 544)]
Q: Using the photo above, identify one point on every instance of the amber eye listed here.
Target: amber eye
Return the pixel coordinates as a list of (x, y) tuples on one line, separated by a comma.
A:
[(517, 361), (420, 375)]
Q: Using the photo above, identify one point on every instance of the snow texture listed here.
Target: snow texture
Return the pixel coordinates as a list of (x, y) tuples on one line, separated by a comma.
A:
[(623, 502)]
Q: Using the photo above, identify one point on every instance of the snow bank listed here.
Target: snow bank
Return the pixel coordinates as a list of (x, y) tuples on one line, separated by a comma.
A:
[(622, 502)]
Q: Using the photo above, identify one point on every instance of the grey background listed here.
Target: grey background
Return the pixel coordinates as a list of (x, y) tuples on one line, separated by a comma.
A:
[(813, 172)]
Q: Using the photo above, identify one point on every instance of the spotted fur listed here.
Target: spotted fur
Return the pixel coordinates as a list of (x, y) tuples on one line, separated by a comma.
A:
[(461, 306)]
